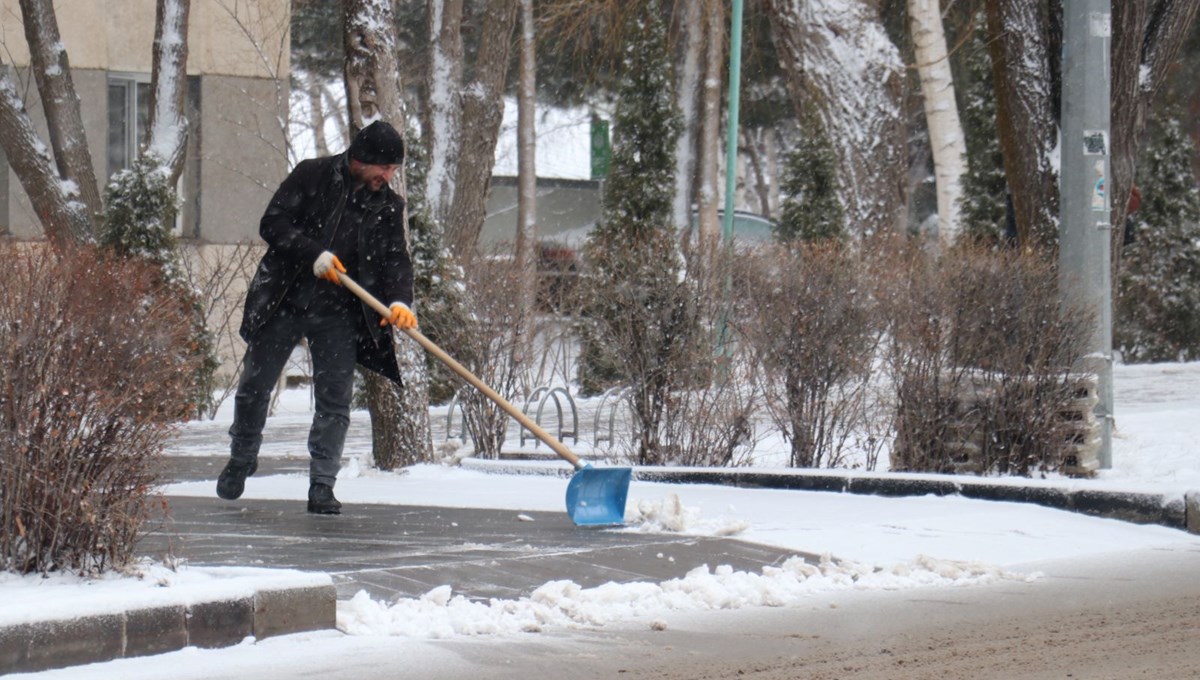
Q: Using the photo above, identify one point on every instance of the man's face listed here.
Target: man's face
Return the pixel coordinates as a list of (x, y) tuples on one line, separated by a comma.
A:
[(374, 177)]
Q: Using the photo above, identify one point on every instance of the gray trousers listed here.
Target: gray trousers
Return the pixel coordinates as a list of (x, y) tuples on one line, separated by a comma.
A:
[(332, 342)]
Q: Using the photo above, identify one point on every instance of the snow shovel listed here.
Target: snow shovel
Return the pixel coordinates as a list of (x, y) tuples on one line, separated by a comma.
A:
[(595, 496)]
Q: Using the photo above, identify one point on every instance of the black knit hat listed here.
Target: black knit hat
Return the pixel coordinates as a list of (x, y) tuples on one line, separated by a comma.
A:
[(378, 144)]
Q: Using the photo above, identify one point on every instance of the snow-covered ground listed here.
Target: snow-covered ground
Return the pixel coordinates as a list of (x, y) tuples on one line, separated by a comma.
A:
[(873, 542)]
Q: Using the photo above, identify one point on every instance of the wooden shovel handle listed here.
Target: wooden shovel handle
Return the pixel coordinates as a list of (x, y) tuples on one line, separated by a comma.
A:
[(465, 374)]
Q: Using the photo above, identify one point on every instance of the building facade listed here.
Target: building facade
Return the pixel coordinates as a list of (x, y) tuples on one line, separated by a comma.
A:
[(236, 104)]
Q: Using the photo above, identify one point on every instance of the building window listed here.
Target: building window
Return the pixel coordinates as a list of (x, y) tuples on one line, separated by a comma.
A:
[(128, 132), (128, 116)]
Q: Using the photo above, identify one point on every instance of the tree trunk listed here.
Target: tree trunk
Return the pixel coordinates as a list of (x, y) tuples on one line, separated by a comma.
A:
[(482, 114), (168, 81), (840, 61), (63, 217), (687, 88), (400, 429), (1146, 40), (316, 113), (333, 106), (756, 149), (946, 138), (1026, 121), (444, 112), (708, 195), (526, 241), (52, 72)]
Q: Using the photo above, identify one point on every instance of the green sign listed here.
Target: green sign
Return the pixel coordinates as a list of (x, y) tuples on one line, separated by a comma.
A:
[(601, 149)]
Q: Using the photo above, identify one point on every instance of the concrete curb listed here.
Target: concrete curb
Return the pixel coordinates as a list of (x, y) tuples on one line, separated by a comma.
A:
[(1175, 511), (43, 645)]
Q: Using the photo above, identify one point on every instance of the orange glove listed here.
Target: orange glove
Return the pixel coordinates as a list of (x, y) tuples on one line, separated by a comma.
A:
[(326, 266), (401, 317)]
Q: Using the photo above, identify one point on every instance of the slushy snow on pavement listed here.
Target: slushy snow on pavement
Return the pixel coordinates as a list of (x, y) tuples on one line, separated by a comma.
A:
[(869, 542)]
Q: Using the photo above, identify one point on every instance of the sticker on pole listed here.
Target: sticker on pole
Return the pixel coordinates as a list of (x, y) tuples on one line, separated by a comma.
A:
[(1095, 143), (1100, 24), (1099, 198)]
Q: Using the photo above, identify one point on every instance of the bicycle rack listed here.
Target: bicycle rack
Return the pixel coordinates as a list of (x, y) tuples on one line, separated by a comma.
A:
[(547, 394), (613, 398), (462, 430)]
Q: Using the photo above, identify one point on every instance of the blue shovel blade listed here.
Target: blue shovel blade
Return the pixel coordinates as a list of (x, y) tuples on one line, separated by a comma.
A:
[(596, 496)]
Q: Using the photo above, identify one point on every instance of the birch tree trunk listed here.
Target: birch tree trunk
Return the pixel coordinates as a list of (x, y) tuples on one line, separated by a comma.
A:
[(838, 59), (52, 72), (1022, 55), (400, 428), (444, 113), (526, 241), (168, 81), (64, 218), (946, 138)]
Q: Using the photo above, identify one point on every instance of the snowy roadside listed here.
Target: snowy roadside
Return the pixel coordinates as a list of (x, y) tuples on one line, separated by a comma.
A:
[(876, 543)]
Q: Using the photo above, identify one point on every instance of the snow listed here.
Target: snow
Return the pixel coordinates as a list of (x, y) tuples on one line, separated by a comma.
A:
[(169, 127), (563, 142), (564, 604), (869, 543), (62, 596)]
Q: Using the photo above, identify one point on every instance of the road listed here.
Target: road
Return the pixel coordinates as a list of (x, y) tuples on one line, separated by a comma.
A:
[(1135, 616), (1132, 615)]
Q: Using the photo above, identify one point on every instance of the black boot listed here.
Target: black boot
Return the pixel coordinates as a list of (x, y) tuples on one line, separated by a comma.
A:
[(232, 481), (321, 500)]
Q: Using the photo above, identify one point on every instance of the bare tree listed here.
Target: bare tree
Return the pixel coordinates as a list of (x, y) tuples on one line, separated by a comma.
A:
[(698, 91), (708, 194), (840, 61), (399, 416), (64, 219), (316, 112), (946, 138), (526, 245), (443, 113), (1024, 66), (482, 102), (52, 73), (1146, 40), (168, 81), (64, 190), (687, 93)]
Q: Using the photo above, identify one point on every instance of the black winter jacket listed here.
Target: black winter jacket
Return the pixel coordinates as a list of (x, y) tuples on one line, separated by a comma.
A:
[(300, 223)]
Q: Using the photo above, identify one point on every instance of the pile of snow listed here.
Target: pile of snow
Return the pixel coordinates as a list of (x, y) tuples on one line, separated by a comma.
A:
[(669, 515), (565, 604)]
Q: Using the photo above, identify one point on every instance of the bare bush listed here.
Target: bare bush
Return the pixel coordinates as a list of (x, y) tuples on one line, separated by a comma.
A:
[(654, 327), (981, 359), (711, 425), (810, 320), (914, 299), (94, 369), (220, 276), (639, 326), (708, 417), (492, 339)]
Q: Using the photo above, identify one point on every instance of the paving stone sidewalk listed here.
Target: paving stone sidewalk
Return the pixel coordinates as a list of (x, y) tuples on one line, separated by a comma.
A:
[(396, 551)]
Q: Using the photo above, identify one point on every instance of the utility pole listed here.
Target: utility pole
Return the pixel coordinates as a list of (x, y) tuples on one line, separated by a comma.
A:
[(735, 86), (1085, 244)]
